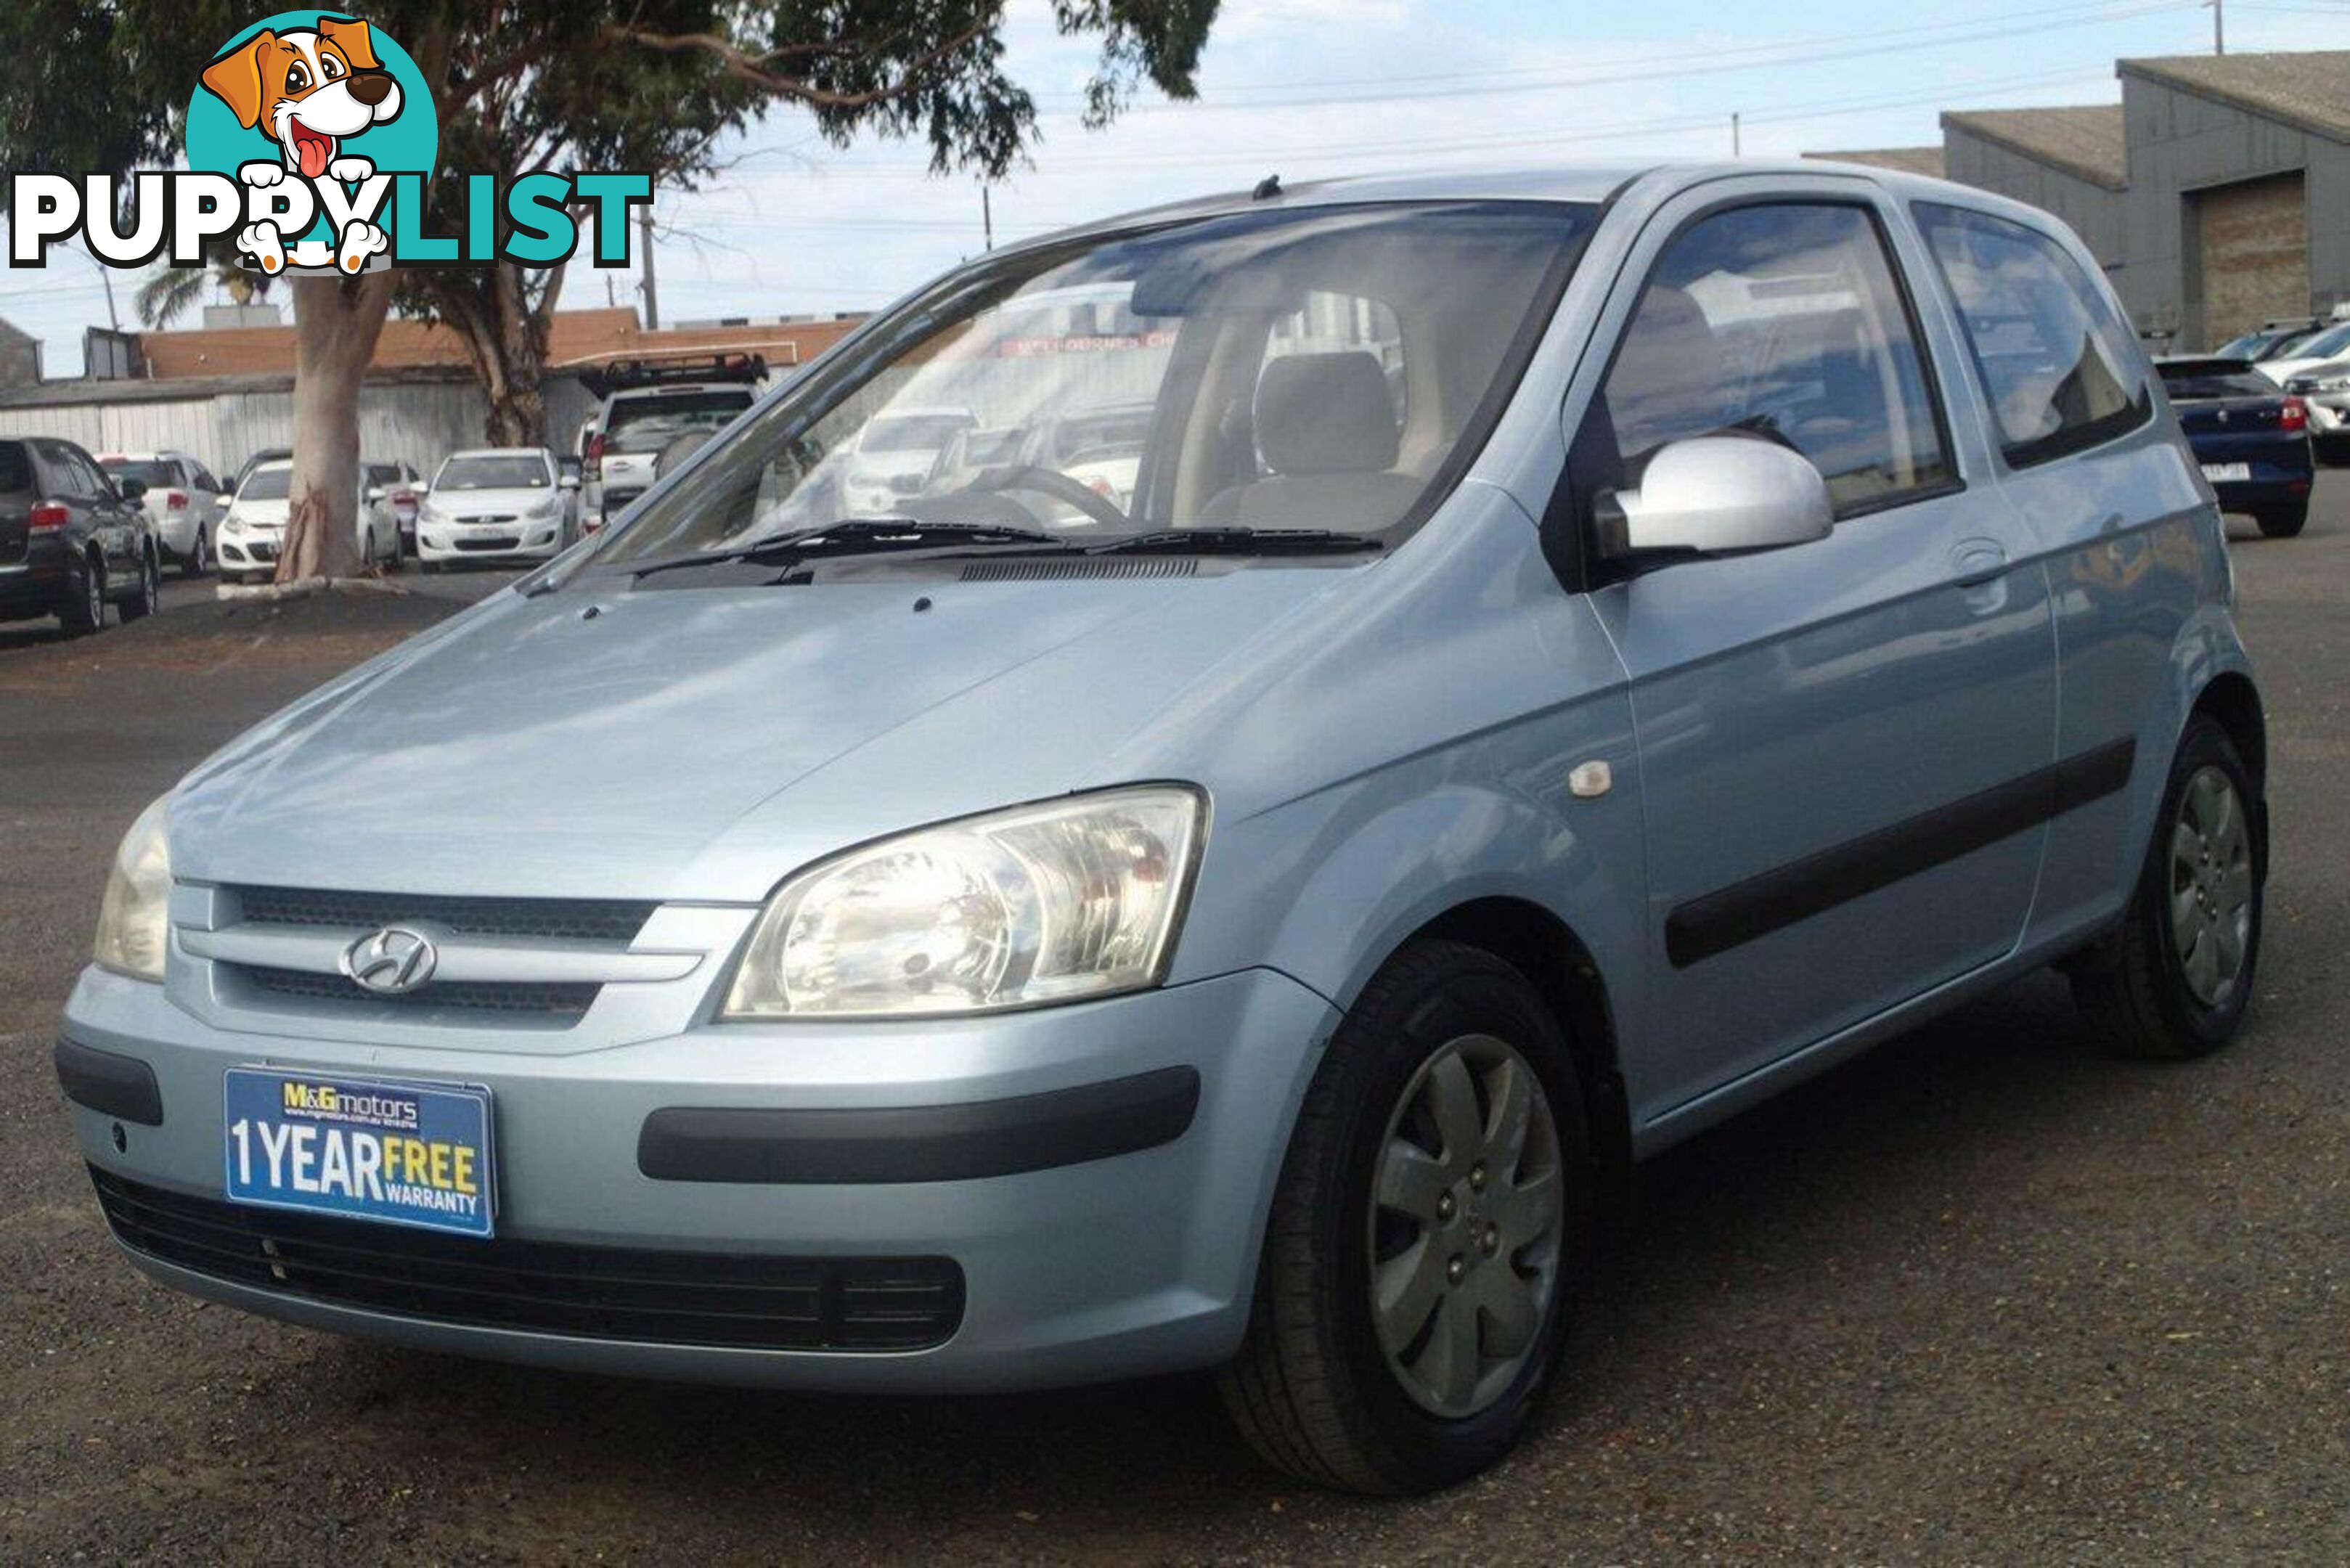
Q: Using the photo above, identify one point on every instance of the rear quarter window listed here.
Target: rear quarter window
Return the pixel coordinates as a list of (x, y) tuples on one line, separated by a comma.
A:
[(16, 468), (2056, 361)]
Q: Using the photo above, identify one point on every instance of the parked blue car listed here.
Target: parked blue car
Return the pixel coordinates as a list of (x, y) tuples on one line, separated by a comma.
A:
[(1579, 653), (2251, 438)]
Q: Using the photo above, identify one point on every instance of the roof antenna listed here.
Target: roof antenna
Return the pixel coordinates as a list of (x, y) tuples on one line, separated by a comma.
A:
[(1266, 189)]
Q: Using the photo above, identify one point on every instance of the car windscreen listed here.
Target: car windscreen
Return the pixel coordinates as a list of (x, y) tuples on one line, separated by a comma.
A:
[(504, 471), (1273, 351), (266, 484), (1082, 436), (913, 432), (153, 475), (649, 424), (2189, 383), (2326, 345)]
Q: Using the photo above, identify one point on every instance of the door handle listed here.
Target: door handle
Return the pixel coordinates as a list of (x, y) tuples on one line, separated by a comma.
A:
[(1975, 561)]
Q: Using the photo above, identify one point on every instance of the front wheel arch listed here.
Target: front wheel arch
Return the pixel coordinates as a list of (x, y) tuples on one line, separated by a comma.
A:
[(1555, 962)]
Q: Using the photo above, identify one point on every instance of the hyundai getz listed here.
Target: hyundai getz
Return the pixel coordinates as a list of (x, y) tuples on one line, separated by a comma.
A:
[(1580, 653)]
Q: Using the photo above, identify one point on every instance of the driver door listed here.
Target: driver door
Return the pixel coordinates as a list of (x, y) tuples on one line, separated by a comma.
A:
[(1825, 731)]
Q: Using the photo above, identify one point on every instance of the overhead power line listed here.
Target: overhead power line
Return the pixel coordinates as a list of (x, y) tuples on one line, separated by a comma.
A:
[(1682, 66)]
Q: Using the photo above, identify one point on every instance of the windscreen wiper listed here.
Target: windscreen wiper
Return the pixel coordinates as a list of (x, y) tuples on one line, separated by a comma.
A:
[(862, 535), (1238, 541)]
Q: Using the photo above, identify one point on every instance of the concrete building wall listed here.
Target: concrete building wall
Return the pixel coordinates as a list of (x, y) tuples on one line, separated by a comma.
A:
[(2182, 144), (2093, 211)]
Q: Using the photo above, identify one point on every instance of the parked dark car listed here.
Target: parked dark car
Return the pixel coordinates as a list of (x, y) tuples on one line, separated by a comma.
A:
[(2251, 436), (71, 539)]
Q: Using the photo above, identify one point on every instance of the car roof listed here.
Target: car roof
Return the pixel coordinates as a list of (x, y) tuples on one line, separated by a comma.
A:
[(169, 453), (1586, 185), (499, 452)]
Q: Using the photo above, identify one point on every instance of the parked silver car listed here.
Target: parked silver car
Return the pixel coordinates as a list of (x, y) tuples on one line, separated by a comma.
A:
[(1580, 654)]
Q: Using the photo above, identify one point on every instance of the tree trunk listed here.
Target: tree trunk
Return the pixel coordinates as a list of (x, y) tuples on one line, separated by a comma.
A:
[(336, 324)]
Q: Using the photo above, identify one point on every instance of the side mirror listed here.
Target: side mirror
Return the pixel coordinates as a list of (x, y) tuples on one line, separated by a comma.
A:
[(1716, 495), (130, 488), (376, 493)]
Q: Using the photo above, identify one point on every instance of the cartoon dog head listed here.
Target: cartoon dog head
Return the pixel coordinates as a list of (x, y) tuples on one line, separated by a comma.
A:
[(308, 91)]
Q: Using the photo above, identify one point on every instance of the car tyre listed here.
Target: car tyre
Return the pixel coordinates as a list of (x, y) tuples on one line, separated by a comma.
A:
[(2173, 982), (84, 610), (146, 593), (2282, 522), (1321, 1387), (198, 560)]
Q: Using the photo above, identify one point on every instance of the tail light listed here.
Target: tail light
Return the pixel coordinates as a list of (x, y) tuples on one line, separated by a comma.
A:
[(49, 516), (592, 460), (2294, 416), (175, 501), (404, 498)]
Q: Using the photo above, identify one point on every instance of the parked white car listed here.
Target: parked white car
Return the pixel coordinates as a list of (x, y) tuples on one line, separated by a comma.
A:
[(182, 499), (2330, 345), (636, 423), (497, 504), (895, 454), (255, 524)]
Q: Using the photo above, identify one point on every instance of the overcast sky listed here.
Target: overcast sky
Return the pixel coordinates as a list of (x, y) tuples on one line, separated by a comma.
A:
[(1307, 89)]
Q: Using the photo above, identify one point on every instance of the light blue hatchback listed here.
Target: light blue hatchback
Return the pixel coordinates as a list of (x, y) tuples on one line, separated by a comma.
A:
[(1388, 701)]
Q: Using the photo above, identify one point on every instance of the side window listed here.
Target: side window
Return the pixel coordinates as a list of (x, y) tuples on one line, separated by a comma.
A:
[(78, 471), (2054, 358), (1783, 321)]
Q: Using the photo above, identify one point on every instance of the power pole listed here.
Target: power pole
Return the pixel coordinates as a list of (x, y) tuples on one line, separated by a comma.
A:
[(2219, 26), (652, 292), (987, 218), (1734, 144)]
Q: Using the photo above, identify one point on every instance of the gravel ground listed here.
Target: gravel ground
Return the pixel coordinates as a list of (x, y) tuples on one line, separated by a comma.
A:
[(1982, 1295)]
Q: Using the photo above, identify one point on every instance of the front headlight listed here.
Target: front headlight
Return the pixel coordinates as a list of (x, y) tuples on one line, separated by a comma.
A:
[(547, 508), (134, 918), (233, 524), (1075, 899)]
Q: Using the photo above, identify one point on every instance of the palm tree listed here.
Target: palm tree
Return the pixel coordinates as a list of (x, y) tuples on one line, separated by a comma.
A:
[(173, 290)]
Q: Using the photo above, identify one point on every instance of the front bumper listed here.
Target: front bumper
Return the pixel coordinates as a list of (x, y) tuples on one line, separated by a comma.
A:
[(253, 550), (1116, 1265), (535, 540)]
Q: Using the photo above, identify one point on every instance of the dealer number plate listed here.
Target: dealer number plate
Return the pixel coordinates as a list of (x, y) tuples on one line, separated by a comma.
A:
[(402, 1154)]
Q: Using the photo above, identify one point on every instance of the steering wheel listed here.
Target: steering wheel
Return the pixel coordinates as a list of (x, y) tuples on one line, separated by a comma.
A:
[(1056, 484)]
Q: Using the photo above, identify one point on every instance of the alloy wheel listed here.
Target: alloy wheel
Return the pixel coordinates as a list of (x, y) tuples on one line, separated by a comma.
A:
[(2211, 886), (1467, 1224), (93, 588)]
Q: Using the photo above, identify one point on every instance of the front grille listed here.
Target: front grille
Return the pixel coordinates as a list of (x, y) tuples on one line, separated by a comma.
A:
[(592, 1292), (503, 542), (566, 1000), (490, 517), (262, 549), (613, 920)]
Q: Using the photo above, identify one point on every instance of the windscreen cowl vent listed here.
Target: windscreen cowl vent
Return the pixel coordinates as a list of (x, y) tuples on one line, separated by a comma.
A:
[(1049, 570)]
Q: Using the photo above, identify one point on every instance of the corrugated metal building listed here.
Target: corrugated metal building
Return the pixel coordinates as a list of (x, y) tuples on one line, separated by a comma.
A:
[(2217, 192)]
